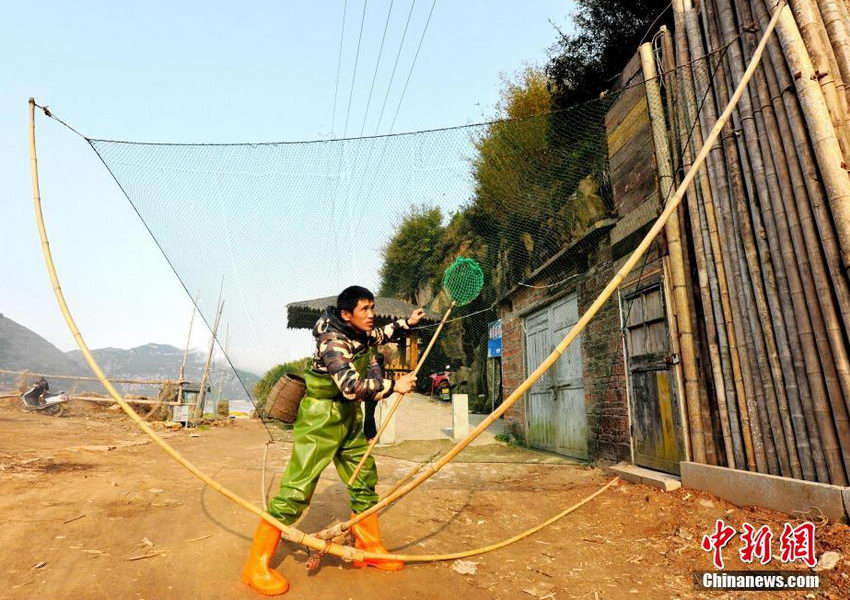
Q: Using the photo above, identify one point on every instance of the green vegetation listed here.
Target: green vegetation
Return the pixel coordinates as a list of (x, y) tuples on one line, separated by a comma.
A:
[(412, 258), (537, 185), (607, 34)]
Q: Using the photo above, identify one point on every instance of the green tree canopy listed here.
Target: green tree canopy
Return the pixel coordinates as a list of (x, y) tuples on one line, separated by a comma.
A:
[(607, 36), (412, 258)]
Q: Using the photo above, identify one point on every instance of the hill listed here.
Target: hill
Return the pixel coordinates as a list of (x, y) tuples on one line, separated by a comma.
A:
[(23, 349)]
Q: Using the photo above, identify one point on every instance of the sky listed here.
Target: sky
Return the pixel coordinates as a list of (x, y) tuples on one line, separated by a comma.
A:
[(211, 72)]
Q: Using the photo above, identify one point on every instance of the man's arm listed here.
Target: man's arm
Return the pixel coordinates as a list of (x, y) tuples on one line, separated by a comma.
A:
[(336, 354), (395, 330), (389, 333)]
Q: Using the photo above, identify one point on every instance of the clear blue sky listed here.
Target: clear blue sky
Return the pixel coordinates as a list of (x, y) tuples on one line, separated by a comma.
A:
[(212, 72)]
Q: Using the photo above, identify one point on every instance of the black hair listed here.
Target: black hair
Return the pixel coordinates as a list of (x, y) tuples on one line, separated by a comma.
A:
[(350, 296)]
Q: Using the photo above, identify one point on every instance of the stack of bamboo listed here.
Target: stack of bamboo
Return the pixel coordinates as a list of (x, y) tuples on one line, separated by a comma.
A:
[(767, 226)]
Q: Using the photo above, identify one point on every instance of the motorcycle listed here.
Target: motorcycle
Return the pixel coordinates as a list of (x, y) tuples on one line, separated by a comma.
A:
[(37, 399), (441, 386)]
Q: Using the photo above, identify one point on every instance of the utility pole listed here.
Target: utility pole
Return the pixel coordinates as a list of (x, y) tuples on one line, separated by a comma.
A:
[(182, 376), (199, 408), (223, 370)]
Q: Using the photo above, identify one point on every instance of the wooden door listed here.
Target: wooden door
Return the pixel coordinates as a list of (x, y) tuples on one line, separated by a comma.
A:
[(555, 411), (656, 418)]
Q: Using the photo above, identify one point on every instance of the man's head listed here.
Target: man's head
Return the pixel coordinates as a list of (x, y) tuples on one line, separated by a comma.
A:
[(356, 306)]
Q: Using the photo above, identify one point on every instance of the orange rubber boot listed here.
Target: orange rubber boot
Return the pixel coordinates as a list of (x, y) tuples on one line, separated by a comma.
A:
[(367, 536), (257, 573)]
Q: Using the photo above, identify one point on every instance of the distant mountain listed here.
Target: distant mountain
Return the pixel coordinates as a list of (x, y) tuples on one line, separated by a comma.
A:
[(162, 361), (23, 349)]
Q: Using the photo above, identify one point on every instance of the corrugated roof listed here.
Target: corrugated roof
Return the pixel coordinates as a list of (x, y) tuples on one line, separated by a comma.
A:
[(304, 313)]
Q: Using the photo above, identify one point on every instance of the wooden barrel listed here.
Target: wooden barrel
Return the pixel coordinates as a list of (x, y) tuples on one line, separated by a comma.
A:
[(285, 397)]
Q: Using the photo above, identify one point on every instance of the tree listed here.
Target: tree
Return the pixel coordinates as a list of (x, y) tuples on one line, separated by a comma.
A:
[(412, 257), (608, 33)]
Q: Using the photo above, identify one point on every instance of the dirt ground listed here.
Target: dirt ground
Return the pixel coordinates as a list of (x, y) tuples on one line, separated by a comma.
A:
[(92, 510)]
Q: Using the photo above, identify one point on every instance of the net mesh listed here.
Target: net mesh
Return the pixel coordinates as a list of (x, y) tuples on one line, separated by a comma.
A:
[(463, 280), (279, 229), (272, 224)]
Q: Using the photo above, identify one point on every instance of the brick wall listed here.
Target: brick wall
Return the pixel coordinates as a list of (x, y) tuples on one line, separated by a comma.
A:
[(604, 379), (513, 353)]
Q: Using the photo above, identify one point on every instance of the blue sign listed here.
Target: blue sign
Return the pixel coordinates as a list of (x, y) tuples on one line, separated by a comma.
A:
[(494, 343)]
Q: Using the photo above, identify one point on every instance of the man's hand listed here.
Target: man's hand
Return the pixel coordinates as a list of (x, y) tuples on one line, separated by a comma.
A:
[(416, 316), (405, 384)]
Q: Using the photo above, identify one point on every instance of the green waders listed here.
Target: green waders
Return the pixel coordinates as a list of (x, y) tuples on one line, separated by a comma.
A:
[(328, 428)]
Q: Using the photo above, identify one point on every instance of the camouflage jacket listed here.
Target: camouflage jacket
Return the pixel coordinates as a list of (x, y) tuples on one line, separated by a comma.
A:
[(338, 343)]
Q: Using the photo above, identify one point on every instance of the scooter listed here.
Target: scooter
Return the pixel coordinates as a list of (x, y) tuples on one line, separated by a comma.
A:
[(37, 399)]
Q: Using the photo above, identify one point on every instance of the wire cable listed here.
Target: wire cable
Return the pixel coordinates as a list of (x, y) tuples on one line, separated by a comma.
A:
[(354, 74), (338, 65), (415, 56), (377, 64), (395, 65)]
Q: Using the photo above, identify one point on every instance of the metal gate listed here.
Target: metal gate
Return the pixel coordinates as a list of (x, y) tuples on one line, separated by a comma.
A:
[(656, 416), (556, 417)]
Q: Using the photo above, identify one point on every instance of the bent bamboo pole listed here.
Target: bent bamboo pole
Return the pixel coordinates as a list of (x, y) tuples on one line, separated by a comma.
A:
[(386, 420), (289, 533), (78, 378), (606, 293)]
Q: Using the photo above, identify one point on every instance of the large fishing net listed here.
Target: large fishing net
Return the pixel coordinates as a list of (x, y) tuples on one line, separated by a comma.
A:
[(276, 230), (512, 218)]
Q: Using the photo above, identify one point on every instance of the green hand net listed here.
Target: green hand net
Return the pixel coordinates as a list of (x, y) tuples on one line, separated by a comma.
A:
[(463, 280)]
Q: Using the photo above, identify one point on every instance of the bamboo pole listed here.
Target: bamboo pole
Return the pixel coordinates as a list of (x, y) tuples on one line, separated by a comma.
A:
[(674, 86), (128, 400), (765, 190), (792, 306), (82, 378), (592, 310), (816, 212), (834, 69), (824, 140), (755, 219), (289, 533), (199, 408), (835, 21), (385, 421), (188, 340), (749, 270), (707, 283), (816, 278), (816, 40), (719, 186), (699, 436), (804, 349), (740, 386)]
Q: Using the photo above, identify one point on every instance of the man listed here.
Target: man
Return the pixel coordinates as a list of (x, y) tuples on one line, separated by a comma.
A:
[(329, 427)]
